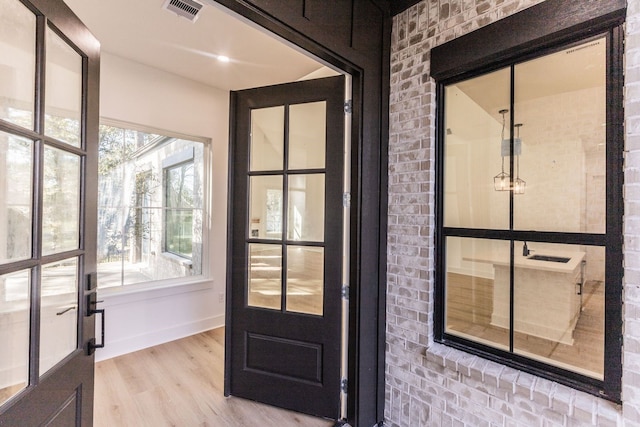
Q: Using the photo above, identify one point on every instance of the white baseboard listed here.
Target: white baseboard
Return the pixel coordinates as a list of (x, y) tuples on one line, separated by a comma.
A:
[(12, 375), (157, 337)]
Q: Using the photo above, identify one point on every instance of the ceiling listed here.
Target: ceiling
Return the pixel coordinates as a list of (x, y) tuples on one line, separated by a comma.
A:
[(143, 31), (572, 69)]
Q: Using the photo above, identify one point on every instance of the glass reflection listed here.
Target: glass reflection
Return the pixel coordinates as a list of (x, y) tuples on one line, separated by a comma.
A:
[(305, 279), (264, 287), (60, 223), (474, 152), (63, 99), (58, 312), (16, 160), (477, 306), (14, 334), (559, 305), (307, 135), (267, 139), (306, 208), (563, 137), (17, 63), (265, 207)]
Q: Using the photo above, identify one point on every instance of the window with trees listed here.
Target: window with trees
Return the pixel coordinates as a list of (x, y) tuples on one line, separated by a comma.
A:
[(151, 206), (179, 201)]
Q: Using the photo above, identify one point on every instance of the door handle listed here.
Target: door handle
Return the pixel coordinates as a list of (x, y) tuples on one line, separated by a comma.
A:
[(60, 313), (91, 346)]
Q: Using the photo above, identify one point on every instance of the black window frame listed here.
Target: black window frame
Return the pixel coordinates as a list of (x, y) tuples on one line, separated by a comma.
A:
[(166, 208), (506, 43)]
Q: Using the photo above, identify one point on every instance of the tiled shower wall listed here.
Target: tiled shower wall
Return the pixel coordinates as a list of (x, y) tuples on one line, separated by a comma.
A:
[(428, 384)]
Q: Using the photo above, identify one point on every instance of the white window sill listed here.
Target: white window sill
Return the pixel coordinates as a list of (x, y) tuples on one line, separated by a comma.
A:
[(185, 262)]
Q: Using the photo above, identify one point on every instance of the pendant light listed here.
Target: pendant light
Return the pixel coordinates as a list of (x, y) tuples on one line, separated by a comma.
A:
[(518, 184), (502, 181)]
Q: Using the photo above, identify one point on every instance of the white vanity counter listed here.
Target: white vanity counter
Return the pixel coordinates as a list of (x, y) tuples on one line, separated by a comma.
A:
[(547, 300)]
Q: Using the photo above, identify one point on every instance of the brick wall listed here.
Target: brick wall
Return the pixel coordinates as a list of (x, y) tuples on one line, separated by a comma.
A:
[(428, 384)]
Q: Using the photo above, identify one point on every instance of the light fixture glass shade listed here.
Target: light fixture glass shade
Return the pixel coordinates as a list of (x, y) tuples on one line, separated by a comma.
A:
[(518, 186), (501, 182)]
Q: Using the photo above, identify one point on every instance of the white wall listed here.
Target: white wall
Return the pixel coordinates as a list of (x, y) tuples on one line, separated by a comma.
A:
[(137, 317)]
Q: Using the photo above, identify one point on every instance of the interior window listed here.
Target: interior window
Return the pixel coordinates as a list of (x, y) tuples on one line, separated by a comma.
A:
[(151, 207), (524, 206)]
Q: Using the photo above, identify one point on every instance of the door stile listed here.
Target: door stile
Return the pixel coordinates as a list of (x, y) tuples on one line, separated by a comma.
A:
[(38, 189), (65, 390)]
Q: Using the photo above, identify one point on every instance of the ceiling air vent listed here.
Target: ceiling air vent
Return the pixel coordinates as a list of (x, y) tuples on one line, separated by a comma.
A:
[(186, 8)]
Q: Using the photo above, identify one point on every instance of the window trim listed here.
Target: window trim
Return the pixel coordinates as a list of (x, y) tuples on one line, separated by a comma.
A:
[(447, 68)]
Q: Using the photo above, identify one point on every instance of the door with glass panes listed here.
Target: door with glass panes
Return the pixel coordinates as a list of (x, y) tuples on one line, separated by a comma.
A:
[(283, 342), (49, 66)]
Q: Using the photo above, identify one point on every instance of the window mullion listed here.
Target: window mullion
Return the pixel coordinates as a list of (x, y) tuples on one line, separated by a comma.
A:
[(511, 208)]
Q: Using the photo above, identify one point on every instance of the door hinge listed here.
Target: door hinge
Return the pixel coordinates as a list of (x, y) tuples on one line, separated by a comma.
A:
[(345, 292), (348, 106), (344, 385), (346, 200)]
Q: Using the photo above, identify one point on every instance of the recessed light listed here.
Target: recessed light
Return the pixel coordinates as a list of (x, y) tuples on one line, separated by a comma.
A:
[(223, 58)]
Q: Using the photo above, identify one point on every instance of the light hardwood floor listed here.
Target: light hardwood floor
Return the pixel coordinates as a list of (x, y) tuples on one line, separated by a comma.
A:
[(180, 384)]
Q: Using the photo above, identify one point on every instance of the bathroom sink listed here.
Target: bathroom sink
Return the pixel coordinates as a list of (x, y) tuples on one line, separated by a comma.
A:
[(549, 258)]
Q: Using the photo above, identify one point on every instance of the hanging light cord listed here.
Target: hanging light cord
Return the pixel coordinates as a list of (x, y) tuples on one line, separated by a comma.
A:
[(503, 113), (517, 157)]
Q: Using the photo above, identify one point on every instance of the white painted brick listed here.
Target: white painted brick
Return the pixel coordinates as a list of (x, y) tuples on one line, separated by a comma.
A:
[(446, 387), (562, 400), (508, 378), (584, 408), (542, 390), (527, 419)]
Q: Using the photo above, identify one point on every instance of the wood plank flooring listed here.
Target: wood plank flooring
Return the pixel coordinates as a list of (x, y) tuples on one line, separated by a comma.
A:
[(8, 392), (180, 384), (469, 307)]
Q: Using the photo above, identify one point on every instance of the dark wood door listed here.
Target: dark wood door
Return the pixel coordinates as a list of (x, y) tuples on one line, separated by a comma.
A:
[(284, 310), (49, 66)]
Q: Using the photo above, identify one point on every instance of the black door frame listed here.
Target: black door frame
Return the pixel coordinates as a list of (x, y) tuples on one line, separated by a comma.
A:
[(368, 223)]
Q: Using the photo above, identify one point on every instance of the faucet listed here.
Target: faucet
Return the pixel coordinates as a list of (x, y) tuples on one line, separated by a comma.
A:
[(525, 250)]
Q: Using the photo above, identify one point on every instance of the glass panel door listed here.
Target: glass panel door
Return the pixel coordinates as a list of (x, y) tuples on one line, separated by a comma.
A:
[(17, 63), (58, 312), (15, 307), (285, 305), (287, 190), (17, 107), (16, 160), (43, 249), (64, 90)]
